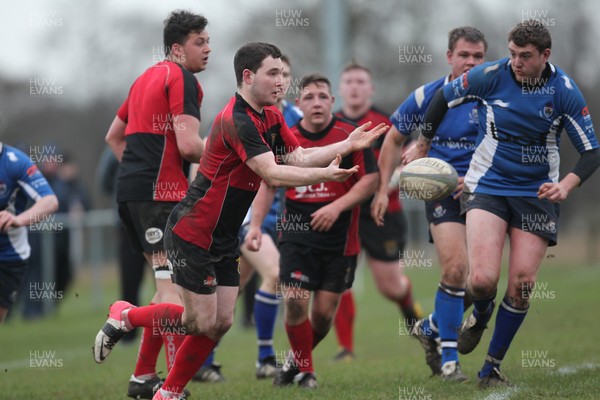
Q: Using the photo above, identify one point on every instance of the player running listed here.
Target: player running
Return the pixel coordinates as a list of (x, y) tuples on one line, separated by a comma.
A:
[(384, 245), (201, 233), (155, 136), (20, 182), (454, 143), (512, 185)]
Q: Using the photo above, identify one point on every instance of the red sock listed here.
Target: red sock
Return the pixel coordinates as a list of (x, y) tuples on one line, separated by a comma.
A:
[(300, 337), (156, 316), (344, 321), (172, 343), (189, 358), (148, 352)]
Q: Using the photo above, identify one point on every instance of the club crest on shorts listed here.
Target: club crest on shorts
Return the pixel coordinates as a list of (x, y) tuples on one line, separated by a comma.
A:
[(439, 211), (153, 235)]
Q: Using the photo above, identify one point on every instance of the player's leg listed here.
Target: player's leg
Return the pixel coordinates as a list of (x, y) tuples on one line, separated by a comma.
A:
[(528, 243), (298, 277), (166, 292), (322, 313), (486, 232), (266, 303), (384, 246), (144, 377), (209, 308), (344, 326), (450, 244), (12, 275), (207, 317)]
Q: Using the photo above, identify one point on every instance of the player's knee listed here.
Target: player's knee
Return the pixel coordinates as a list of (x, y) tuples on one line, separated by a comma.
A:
[(522, 292), (294, 311), (221, 326), (455, 273), (481, 285), (321, 323), (195, 325)]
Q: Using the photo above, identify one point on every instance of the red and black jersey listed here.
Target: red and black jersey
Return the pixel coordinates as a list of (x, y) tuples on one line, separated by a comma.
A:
[(302, 201), (152, 168), (211, 214), (376, 117)]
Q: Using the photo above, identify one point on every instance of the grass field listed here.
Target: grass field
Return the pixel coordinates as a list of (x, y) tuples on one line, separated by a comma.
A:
[(554, 356)]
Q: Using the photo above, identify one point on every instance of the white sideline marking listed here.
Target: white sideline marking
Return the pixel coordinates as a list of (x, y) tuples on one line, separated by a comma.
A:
[(23, 363), (573, 369), (502, 395)]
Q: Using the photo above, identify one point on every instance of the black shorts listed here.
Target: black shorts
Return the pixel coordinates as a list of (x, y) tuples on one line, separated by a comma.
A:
[(198, 271), (12, 275), (313, 269), (444, 210), (384, 243), (528, 214), (145, 222)]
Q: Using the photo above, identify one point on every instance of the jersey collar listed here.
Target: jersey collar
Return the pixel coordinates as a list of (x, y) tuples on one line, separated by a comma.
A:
[(314, 136)]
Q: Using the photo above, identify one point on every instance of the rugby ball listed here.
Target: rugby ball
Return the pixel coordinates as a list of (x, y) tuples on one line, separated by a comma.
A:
[(428, 179)]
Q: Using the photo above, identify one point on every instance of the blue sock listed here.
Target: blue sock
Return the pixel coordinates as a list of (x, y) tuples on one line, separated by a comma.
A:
[(429, 327), (210, 359), (449, 304), (483, 308), (508, 322), (265, 314)]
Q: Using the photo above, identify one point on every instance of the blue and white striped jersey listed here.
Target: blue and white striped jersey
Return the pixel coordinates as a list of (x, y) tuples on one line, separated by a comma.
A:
[(20, 181), (520, 127), (455, 138)]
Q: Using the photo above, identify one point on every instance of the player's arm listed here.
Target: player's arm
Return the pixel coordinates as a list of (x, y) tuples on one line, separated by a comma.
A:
[(361, 138), (433, 118), (187, 135), (286, 175), (389, 158), (260, 208), (324, 218), (43, 207), (555, 192), (116, 137)]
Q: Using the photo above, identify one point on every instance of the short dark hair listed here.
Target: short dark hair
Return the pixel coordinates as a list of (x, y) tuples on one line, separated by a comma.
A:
[(531, 32), (470, 34), (352, 65), (250, 56), (314, 78), (286, 60), (179, 25)]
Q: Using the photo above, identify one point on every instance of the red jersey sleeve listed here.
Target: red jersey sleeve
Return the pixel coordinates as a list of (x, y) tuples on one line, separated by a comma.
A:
[(123, 111), (184, 93)]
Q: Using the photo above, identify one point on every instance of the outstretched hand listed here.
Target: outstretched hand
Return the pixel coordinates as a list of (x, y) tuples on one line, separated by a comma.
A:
[(362, 138), (337, 174)]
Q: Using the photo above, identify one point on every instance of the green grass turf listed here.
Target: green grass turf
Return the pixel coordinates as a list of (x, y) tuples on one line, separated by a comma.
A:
[(554, 356)]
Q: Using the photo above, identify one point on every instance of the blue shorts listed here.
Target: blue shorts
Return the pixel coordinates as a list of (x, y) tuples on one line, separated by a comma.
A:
[(444, 210), (529, 214)]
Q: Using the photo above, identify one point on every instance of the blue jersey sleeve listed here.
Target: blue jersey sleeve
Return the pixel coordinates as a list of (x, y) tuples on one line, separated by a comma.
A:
[(29, 178), (472, 85), (576, 117)]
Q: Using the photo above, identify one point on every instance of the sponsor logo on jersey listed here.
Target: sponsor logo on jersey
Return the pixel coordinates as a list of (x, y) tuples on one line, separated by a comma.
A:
[(153, 235), (3, 188)]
